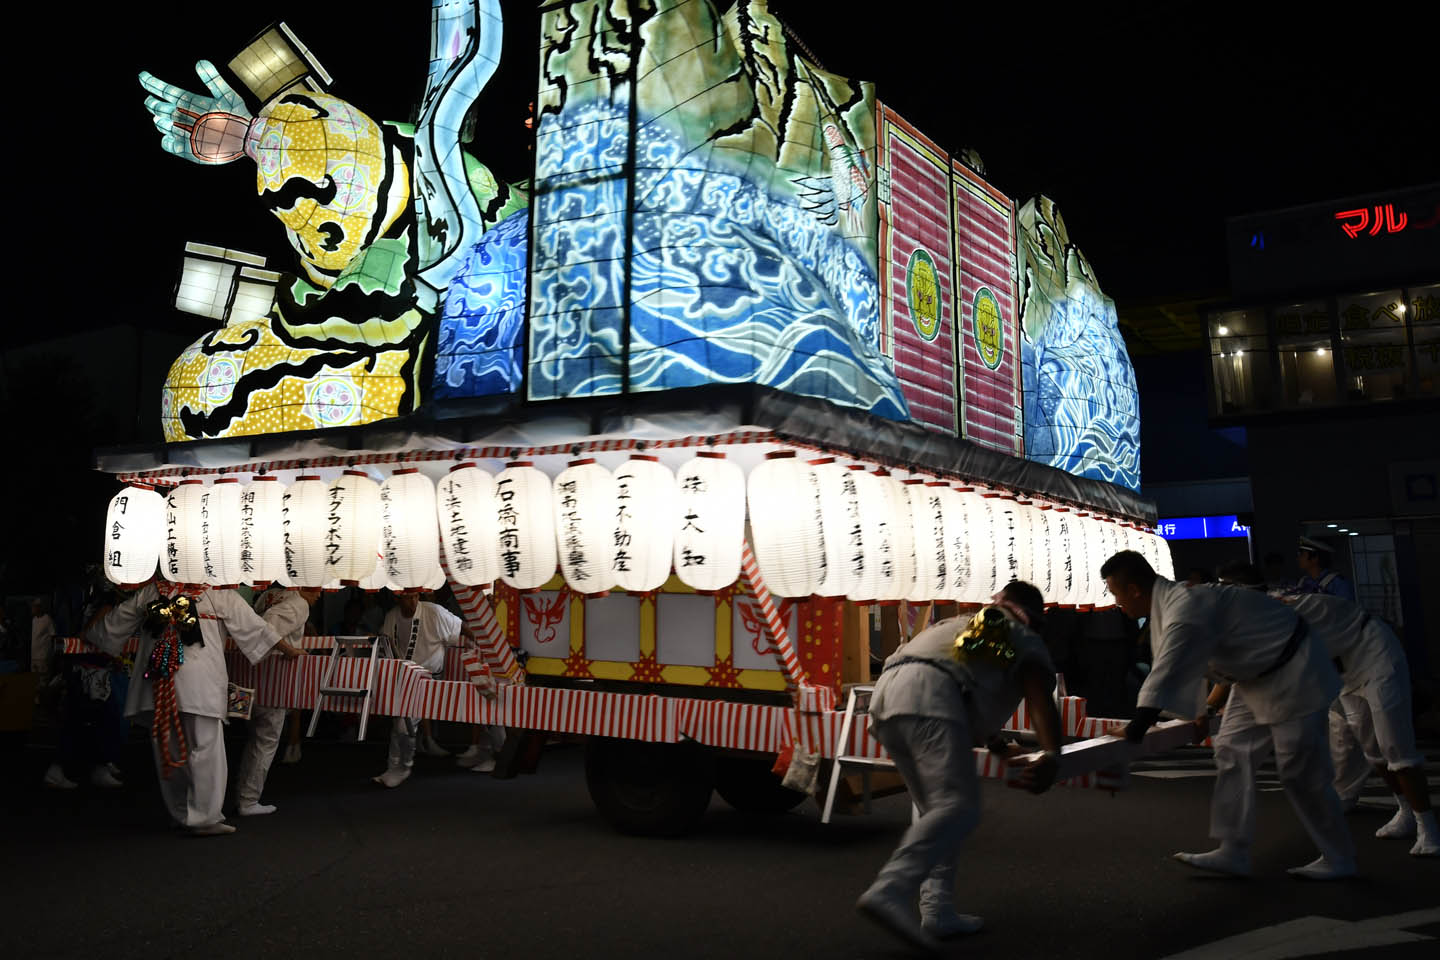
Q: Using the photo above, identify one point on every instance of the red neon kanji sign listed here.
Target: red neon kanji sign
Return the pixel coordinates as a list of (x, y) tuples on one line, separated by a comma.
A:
[(1385, 217)]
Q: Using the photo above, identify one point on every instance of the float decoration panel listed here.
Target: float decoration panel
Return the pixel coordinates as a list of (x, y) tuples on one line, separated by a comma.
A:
[(917, 269), (1082, 408), (989, 333)]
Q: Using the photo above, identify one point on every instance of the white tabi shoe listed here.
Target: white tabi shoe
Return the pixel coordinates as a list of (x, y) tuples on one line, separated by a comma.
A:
[(292, 753), (430, 748), (484, 765), (55, 777), (1235, 863), (220, 829), (899, 919), (1400, 827), (1322, 869), (255, 809), (470, 757), (393, 777), (102, 777), (951, 925)]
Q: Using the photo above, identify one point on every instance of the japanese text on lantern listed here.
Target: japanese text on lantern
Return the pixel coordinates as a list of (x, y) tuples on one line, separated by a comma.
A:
[(334, 537), (937, 514), (574, 542), (509, 523), (694, 485), (172, 545), (459, 534), (247, 531), (387, 534), (205, 535), (822, 562), (851, 494), (623, 518)]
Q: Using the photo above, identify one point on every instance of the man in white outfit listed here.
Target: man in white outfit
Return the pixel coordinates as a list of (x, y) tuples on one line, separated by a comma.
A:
[(1282, 683), (949, 689), (195, 790), (286, 612), (423, 630)]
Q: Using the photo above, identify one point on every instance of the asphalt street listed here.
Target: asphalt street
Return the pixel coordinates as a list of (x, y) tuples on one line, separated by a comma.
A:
[(458, 864)]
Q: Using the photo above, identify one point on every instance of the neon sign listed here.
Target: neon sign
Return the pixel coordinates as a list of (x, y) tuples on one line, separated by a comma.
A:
[(1202, 528), (1384, 217)]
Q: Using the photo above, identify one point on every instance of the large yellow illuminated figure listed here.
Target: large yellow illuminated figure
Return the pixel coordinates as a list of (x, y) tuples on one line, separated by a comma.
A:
[(380, 217)]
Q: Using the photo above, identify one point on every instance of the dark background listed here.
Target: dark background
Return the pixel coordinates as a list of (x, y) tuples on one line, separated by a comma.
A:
[(1149, 126)]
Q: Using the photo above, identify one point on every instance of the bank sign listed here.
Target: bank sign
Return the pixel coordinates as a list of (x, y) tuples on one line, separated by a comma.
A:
[(1202, 528)]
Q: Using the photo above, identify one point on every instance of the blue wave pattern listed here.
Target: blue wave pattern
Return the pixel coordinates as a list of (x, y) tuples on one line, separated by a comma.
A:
[(730, 284), (479, 352), (1082, 408)]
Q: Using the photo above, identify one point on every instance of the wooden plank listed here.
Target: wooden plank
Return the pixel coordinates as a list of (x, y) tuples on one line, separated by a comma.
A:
[(855, 643)]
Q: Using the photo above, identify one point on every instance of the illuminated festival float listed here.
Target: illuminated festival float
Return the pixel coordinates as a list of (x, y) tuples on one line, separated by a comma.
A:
[(746, 361)]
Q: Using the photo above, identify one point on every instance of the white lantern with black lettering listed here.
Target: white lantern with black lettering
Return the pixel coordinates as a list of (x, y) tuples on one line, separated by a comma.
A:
[(303, 521), (134, 534), (352, 527), (1042, 564), (1062, 555), (897, 576), (1026, 514), (840, 526), (1009, 535), (584, 499), (876, 549), (1166, 568), (262, 532), (710, 525), (786, 528), (220, 532), (436, 579), (927, 523), (409, 531), (465, 510), (644, 523), (972, 546), (525, 526), (1095, 557), (183, 560)]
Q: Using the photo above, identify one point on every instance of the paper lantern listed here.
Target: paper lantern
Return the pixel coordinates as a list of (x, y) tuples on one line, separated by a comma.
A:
[(378, 578), (876, 549), (1042, 537), (584, 504), (927, 523), (1092, 543), (1063, 568), (1166, 568), (262, 532), (134, 534), (220, 532), (897, 570), (1010, 539), (352, 527), (525, 526), (409, 531), (182, 560), (303, 522), (840, 526), (465, 505), (786, 525), (972, 547), (710, 529), (1028, 517), (644, 528), (435, 580)]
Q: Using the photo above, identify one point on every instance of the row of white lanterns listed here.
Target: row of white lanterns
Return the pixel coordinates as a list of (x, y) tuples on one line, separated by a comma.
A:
[(818, 528)]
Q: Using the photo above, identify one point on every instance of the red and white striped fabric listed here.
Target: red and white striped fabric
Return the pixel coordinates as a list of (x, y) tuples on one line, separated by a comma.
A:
[(629, 716), (479, 615), (78, 645), (779, 637), (736, 726)]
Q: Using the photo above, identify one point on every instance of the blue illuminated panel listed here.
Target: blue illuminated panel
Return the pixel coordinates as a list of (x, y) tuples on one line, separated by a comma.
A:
[(1202, 528)]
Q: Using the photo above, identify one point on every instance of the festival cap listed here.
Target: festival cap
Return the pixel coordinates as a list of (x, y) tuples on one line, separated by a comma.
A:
[(1315, 546)]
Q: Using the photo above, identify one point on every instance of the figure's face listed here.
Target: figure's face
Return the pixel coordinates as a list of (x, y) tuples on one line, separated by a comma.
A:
[(1309, 563), (1132, 601), (408, 603), (310, 594)]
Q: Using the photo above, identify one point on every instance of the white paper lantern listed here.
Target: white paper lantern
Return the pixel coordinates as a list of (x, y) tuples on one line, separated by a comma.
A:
[(1095, 557), (525, 525), (840, 526), (220, 532), (465, 505), (644, 528), (262, 532), (409, 531), (584, 503), (1027, 516), (183, 560), (710, 529), (352, 527), (786, 525), (932, 557), (1166, 568), (876, 550), (303, 522), (1010, 539), (897, 572), (1043, 533), (972, 546), (134, 534), (378, 579), (1065, 571), (435, 580)]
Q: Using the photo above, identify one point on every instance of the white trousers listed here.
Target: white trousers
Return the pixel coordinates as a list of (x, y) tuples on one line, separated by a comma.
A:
[(1352, 770), (402, 740), (1379, 716), (266, 725), (194, 793), (1302, 759)]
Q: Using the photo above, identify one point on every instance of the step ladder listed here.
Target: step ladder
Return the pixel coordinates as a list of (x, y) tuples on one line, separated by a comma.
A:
[(857, 703), (355, 647)]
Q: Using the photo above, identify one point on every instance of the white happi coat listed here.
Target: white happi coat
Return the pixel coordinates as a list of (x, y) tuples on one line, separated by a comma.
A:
[(438, 628), (1365, 646), (286, 615), (1239, 634), (202, 682)]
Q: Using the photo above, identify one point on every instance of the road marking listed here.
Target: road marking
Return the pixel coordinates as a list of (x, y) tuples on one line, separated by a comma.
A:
[(1309, 936)]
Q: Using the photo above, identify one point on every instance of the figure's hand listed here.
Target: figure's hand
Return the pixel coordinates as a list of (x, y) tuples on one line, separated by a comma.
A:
[(199, 128), (1038, 774), (1202, 727), (1116, 730), (287, 650)]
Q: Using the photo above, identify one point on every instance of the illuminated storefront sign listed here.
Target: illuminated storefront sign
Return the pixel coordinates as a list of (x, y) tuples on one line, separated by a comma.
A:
[(1202, 528)]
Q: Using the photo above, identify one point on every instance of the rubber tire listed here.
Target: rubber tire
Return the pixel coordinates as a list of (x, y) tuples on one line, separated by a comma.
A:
[(747, 784), (649, 789)]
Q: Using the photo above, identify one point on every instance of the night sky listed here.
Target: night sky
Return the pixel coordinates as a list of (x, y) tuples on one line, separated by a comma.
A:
[(1148, 128)]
